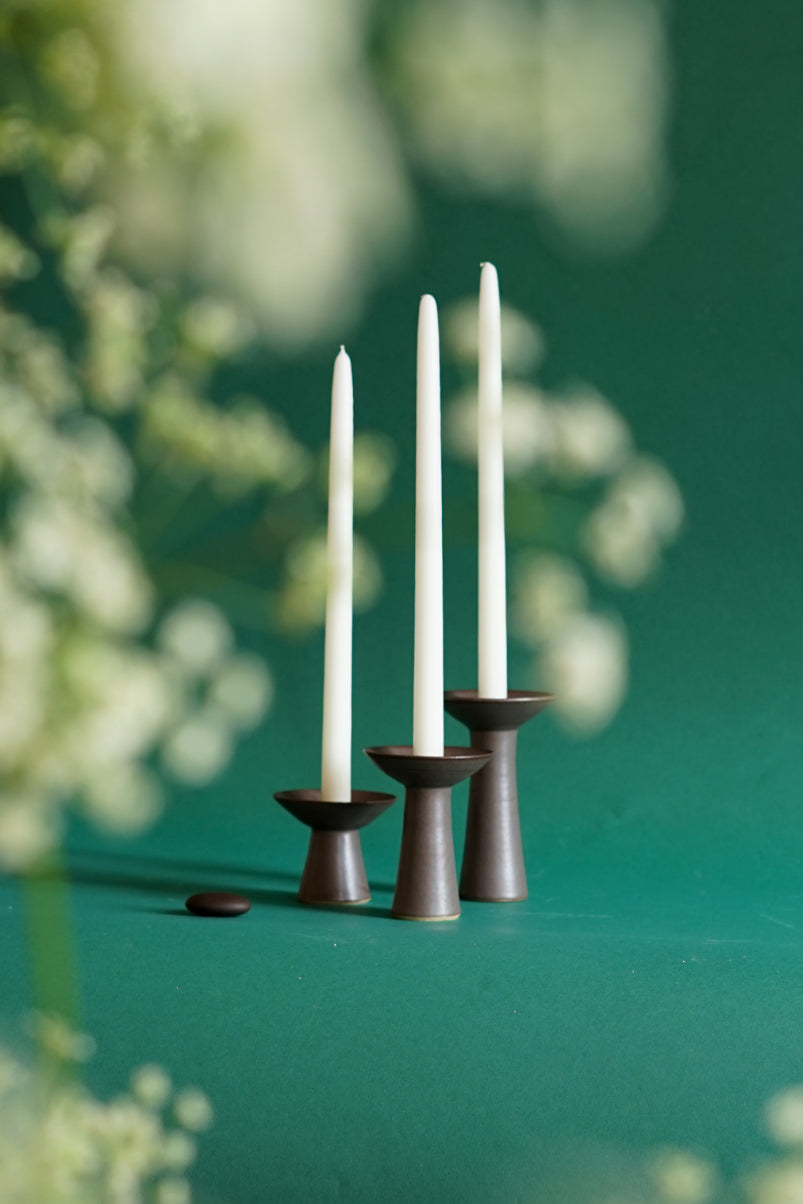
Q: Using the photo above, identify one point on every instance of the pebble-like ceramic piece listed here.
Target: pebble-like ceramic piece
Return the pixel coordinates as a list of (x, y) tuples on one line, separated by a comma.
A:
[(217, 903)]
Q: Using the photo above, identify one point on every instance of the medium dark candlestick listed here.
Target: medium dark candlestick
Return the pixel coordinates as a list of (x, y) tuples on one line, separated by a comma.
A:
[(426, 885)]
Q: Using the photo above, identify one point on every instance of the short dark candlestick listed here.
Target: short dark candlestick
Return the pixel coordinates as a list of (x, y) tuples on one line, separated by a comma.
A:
[(426, 885), (334, 871), (493, 859)]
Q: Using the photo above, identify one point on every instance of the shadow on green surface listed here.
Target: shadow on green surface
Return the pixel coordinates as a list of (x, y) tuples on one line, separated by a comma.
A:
[(148, 874)]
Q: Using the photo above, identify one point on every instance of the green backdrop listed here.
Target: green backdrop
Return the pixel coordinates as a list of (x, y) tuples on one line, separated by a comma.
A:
[(649, 991)]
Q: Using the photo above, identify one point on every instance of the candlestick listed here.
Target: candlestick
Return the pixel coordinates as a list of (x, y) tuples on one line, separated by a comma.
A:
[(493, 860), (336, 738), (492, 641), (426, 884), (334, 871), (428, 659)]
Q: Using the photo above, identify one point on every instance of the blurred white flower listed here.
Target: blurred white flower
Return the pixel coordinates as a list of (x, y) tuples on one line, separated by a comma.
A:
[(522, 341), (119, 315), (58, 547), (547, 589), (602, 170), (778, 1183), (108, 583), (151, 1085), (242, 689), (59, 1039), (783, 1114), (216, 327), (27, 831), (528, 432), (565, 102), (23, 710), (17, 262), (77, 159), (70, 62), (122, 798), (306, 196), (301, 600), (96, 465), (584, 662), (17, 135), (193, 1110), (200, 748), (374, 463), (197, 634), (620, 542), (83, 239), (682, 1177), (173, 1190), (645, 485), (241, 448), (178, 1151), (42, 367), (641, 510), (592, 439)]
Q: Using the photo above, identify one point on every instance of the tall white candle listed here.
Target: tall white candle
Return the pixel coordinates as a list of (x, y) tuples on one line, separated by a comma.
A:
[(492, 643), (428, 671), (336, 743)]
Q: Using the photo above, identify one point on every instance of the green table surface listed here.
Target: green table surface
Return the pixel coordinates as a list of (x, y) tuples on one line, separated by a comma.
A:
[(527, 1052)]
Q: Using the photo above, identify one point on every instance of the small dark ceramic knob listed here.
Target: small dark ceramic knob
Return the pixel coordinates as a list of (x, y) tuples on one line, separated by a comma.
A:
[(217, 903)]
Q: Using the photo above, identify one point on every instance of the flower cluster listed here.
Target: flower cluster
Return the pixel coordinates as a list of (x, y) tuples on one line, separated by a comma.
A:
[(100, 684), (239, 449), (673, 1175), (580, 489), (563, 102), (268, 149), (59, 1143)]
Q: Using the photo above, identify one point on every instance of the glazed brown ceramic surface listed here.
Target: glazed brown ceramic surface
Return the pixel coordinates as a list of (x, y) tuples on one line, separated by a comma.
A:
[(426, 884), (334, 871), (493, 859)]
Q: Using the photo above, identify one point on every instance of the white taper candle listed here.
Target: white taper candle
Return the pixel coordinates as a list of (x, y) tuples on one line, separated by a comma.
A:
[(336, 742), (492, 642), (428, 668)]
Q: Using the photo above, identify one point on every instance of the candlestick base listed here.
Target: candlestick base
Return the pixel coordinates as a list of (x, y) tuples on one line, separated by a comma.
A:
[(426, 884), (334, 871), (493, 860)]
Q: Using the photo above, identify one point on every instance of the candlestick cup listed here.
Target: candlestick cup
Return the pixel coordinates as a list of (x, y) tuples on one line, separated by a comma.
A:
[(493, 859), (334, 871), (426, 884)]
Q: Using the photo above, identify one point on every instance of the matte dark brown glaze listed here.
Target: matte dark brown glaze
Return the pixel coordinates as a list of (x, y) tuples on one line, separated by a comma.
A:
[(493, 859), (334, 871), (426, 884)]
